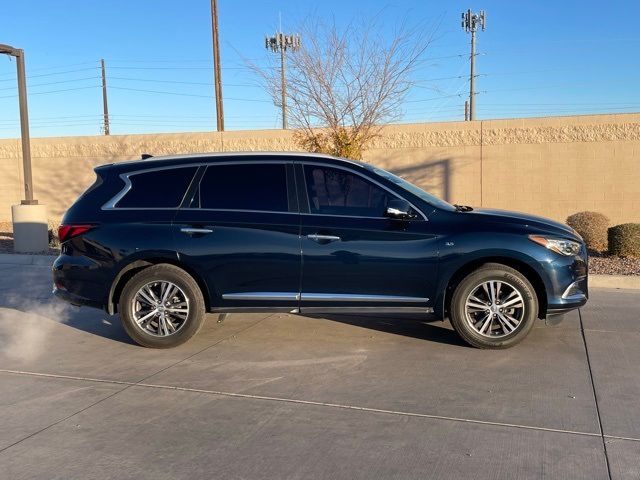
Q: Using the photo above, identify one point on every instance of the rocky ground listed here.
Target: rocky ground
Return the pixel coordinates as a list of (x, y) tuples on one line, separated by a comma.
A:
[(599, 264)]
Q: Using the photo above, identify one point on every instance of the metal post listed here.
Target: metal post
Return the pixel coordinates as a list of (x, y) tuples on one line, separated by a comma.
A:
[(466, 110), (216, 66), (470, 23), (24, 130), (472, 78), (105, 106), (283, 88), (281, 43)]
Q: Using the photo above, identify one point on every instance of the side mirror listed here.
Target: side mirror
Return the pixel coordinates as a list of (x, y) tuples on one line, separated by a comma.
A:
[(399, 209)]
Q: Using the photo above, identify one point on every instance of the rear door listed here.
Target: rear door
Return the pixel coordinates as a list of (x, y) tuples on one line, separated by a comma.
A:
[(241, 233), (355, 257)]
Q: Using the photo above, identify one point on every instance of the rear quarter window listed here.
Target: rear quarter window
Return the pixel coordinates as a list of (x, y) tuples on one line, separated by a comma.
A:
[(157, 189)]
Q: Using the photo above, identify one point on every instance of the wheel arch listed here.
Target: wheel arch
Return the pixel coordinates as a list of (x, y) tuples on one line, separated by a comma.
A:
[(534, 277), (132, 268)]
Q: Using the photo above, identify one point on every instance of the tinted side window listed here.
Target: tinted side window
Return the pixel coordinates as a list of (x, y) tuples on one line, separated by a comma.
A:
[(251, 186), (334, 191), (158, 189)]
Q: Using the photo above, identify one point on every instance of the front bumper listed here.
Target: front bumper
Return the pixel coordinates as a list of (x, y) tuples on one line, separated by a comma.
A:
[(569, 283)]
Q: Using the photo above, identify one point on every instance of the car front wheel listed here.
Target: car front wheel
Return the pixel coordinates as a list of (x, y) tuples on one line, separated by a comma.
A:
[(161, 307), (494, 306)]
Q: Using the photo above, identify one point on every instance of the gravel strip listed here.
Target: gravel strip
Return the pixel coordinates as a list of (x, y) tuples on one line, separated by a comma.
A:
[(602, 265)]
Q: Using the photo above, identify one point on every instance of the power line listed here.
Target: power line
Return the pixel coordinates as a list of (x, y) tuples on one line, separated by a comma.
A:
[(188, 94), (54, 91), (39, 69), (54, 83), (55, 73), (208, 84)]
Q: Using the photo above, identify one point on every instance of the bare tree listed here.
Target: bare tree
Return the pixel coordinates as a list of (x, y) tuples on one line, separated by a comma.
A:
[(345, 84)]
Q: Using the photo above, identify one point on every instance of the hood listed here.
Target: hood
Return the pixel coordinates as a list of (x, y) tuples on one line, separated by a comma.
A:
[(534, 221)]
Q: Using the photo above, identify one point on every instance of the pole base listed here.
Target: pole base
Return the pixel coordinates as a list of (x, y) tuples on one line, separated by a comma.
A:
[(28, 202), (30, 228)]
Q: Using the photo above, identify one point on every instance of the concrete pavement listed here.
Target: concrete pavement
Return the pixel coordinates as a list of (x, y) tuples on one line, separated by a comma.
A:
[(284, 396)]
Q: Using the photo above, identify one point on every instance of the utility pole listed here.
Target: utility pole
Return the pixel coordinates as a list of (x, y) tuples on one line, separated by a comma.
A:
[(217, 80), (281, 43), (105, 106), (470, 23)]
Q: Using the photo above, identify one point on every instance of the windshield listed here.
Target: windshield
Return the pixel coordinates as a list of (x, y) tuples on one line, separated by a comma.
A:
[(417, 191)]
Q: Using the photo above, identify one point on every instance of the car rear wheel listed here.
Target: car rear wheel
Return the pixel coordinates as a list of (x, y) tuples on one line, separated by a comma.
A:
[(494, 306), (162, 307)]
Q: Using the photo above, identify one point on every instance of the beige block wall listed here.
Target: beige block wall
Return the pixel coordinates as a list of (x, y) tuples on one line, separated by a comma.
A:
[(547, 166)]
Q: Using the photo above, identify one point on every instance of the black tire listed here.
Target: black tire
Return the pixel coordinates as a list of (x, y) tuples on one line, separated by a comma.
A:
[(158, 273), (504, 274)]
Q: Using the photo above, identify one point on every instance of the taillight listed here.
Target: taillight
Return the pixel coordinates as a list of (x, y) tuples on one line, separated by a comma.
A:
[(67, 232)]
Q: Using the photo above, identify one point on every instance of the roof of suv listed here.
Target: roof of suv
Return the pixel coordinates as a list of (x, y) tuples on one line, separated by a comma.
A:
[(166, 160)]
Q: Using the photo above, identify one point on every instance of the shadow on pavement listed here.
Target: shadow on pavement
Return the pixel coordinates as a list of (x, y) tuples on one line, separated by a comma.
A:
[(100, 324), (414, 326), (49, 309)]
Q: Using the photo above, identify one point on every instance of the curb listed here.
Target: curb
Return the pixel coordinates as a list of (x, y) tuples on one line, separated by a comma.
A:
[(631, 282), (24, 259)]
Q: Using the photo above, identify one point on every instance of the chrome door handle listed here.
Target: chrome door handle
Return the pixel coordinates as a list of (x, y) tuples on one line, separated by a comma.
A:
[(323, 238), (191, 231)]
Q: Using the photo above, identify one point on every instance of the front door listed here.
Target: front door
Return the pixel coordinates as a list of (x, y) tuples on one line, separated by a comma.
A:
[(240, 232), (353, 256)]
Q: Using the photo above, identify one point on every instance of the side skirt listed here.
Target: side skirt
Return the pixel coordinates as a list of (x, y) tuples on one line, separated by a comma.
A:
[(315, 310)]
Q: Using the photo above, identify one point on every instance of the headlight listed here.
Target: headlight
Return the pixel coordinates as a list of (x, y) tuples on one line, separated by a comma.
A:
[(558, 245)]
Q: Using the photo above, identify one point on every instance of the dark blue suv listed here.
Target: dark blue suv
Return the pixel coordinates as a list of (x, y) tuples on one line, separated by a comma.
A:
[(162, 241)]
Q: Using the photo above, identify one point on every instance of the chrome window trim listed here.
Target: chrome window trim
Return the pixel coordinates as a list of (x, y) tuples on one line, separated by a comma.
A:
[(286, 158), (355, 172), (111, 204), (239, 210)]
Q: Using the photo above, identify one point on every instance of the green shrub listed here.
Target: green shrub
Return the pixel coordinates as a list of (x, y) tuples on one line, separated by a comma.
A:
[(624, 240), (592, 227)]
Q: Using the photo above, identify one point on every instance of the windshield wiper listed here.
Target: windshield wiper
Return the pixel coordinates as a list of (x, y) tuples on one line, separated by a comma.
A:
[(463, 208)]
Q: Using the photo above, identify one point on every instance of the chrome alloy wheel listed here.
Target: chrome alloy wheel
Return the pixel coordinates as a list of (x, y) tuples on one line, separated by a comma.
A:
[(494, 309), (160, 308)]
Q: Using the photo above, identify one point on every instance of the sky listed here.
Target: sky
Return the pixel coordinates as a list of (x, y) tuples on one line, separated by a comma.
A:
[(537, 58)]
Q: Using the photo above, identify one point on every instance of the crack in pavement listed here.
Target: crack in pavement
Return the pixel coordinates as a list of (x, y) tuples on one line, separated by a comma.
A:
[(595, 394), (324, 404)]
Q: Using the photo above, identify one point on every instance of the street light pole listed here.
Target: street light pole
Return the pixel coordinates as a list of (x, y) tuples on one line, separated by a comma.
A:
[(29, 217), (18, 53)]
